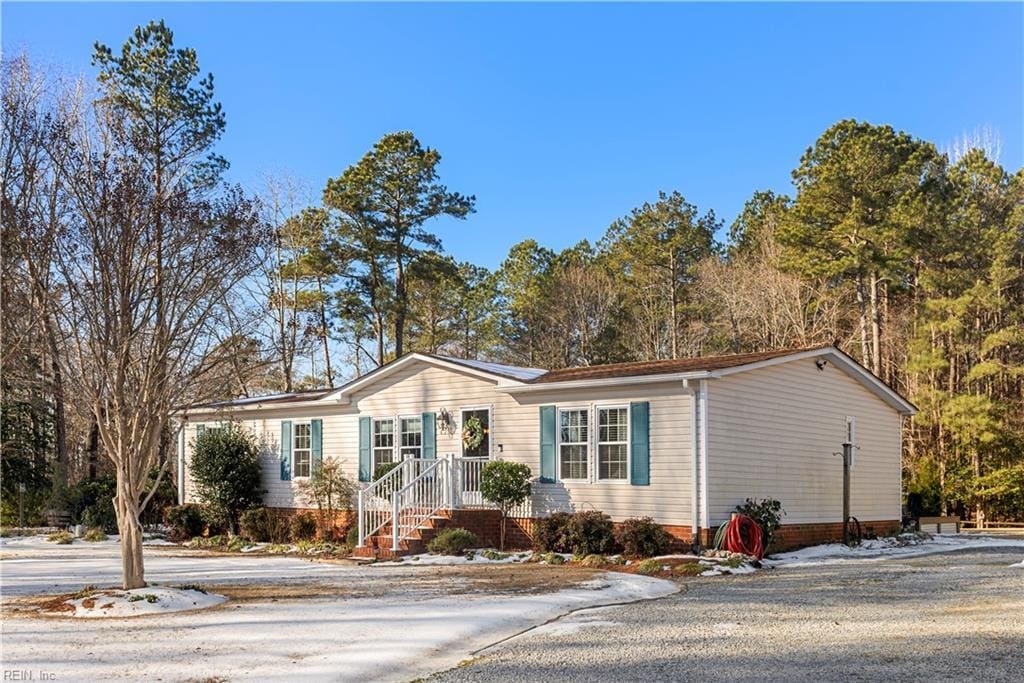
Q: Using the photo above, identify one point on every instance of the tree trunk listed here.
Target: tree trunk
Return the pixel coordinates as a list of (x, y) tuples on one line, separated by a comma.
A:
[(400, 303), (862, 305), (127, 507), (876, 328), (323, 336)]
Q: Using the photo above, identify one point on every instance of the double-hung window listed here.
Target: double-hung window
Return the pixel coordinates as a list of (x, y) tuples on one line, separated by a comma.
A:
[(411, 429), (574, 436), (302, 449), (612, 443), (383, 442)]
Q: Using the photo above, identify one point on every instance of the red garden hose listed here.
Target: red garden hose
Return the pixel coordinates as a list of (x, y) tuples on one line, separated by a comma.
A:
[(743, 535)]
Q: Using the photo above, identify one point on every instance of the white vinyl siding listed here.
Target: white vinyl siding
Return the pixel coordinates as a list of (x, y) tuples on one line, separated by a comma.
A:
[(775, 433)]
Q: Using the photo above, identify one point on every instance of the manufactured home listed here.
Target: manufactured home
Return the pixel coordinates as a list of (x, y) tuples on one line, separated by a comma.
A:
[(682, 441)]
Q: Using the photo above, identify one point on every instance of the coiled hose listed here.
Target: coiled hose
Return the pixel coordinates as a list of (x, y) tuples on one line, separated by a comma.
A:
[(743, 535)]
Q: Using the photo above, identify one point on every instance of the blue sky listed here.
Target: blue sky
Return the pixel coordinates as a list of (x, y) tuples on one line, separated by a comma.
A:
[(560, 118)]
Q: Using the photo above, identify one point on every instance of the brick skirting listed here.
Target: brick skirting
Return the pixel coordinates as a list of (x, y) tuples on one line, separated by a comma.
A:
[(486, 524)]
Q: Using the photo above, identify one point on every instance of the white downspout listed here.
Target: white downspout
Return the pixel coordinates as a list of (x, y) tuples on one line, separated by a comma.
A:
[(705, 512), (694, 455), (181, 463)]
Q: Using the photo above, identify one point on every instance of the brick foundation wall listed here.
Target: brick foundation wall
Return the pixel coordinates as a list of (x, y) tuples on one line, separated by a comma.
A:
[(486, 524)]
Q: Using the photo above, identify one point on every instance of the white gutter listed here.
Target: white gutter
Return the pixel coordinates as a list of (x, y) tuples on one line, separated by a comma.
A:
[(603, 382), (181, 463), (706, 517), (694, 450)]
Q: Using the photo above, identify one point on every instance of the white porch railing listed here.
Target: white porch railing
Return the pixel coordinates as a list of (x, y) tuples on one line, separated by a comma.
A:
[(408, 496)]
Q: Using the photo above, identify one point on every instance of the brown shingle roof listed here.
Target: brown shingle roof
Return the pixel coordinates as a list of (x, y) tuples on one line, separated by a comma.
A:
[(662, 367)]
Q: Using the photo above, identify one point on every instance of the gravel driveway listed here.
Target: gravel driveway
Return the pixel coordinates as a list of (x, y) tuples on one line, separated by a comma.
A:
[(954, 616)]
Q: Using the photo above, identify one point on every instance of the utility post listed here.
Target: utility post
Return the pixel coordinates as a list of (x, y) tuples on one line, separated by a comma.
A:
[(847, 455)]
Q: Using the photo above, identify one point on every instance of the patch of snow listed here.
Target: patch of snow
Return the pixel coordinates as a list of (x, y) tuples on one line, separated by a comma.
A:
[(479, 557), (139, 601), (1018, 564), (905, 545), (157, 541)]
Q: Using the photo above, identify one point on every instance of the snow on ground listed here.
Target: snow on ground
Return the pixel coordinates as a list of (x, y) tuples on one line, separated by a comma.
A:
[(488, 556), (906, 545), (325, 634), (139, 601)]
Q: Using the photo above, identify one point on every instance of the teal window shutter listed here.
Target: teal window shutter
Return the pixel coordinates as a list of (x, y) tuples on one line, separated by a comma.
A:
[(364, 450), (639, 444), (286, 450), (429, 435), (316, 432), (547, 444)]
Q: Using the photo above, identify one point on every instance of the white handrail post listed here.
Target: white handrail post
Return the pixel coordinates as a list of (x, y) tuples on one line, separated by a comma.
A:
[(361, 522), (394, 521)]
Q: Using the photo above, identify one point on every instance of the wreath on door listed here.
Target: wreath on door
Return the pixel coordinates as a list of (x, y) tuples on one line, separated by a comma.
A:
[(472, 433)]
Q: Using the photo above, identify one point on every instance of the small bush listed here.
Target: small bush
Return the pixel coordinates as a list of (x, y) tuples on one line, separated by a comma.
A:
[(642, 537), (264, 526), (85, 592), (192, 587), (649, 567), (95, 535), (549, 533), (61, 538), (689, 569), (452, 542), (594, 561), (552, 558), (589, 533), (302, 527), (185, 522), (352, 536), (135, 598), (494, 555)]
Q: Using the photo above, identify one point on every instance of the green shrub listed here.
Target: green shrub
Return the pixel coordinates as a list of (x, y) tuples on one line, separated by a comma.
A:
[(768, 515), (226, 471), (452, 542), (642, 537), (191, 587), (649, 567), (589, 533), (549, 533), (494, 555), (552, 558), (264, 526), (352, 536), (90, 503), (61, 538), (95, 535), (594, 561), (506, 484), (302, 527), (185, 522), (689, 569)]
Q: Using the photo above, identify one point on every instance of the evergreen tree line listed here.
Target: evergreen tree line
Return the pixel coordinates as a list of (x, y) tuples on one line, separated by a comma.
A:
[(909, 258)]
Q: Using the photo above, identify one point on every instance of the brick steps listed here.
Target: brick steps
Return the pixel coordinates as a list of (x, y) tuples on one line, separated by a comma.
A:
[(378, 546)]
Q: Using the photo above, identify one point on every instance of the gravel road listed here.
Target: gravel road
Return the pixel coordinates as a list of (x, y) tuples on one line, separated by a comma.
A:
[(954, 616)]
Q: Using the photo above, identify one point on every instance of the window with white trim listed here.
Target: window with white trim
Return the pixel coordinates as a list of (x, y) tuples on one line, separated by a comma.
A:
[(612, 443), (411, 429), (383, 442), (302, 450), (573, 441)]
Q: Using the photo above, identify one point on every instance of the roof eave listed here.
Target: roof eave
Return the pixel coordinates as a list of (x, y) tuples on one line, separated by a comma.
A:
[(601, 382), (251, 407)]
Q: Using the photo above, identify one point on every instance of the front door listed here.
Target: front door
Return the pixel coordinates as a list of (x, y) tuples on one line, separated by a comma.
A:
[(474, 454)]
